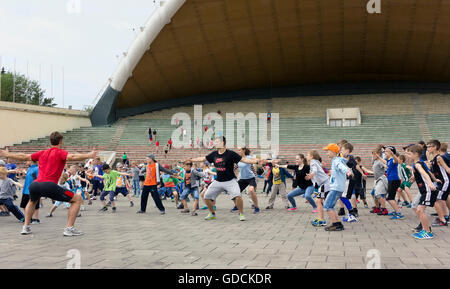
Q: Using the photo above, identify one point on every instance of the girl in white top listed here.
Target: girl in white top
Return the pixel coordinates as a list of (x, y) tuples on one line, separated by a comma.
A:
[(321, 181)]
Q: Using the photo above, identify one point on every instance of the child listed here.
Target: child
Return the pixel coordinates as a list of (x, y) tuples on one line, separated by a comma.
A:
[(345, 149), (446, 157), (75, 179), (31, 176), (380, 183), (405, 175), (428, 191), (360, 176), (278, 176), (110, 180), (393, 181), (63, 183), (170, 184), (321, 182), (339, 172), (122, 186), (191, 179), (441, 172), (7, 192)]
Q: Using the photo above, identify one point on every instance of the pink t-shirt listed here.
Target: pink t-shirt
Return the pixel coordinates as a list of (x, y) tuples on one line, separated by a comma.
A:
[(51, 164)]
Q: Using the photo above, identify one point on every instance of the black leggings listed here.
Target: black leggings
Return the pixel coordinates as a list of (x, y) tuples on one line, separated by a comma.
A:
[(155, 195)]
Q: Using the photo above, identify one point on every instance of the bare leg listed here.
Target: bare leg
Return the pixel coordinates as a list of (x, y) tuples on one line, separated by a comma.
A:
[(29, 211), (333, 216), (210, 204), (239, 204), (319, 208), (423, 218), (252, 193), (394, 205), (74, 208)]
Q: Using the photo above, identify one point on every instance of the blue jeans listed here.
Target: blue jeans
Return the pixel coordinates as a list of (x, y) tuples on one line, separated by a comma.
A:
[(136, 187), (308, 195), (331, 200), (188, 191), (8, 203)]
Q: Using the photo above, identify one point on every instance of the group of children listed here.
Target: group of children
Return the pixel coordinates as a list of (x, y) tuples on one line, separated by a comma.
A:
[(344, 183)]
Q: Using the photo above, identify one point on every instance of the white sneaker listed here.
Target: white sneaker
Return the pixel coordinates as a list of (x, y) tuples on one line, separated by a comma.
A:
[(83, 208), (70, 232), (26, 230)]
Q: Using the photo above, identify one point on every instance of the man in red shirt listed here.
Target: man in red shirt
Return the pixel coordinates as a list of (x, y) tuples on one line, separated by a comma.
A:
[(51, 164)]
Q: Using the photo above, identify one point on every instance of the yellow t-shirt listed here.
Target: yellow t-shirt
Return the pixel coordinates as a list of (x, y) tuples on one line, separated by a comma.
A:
[(276, 176)]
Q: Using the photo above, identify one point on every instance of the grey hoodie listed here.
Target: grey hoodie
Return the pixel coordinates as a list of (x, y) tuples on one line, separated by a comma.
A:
[(320, 177)]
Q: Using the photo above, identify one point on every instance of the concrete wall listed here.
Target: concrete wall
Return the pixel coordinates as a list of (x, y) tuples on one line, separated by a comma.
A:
[(23, 122)]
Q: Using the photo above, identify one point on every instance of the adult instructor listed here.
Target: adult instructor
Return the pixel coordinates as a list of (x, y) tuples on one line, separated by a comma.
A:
[(224, 161), (51, 164)]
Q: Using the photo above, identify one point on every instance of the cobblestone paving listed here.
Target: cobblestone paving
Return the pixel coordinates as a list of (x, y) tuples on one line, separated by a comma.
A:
[(271, 239)]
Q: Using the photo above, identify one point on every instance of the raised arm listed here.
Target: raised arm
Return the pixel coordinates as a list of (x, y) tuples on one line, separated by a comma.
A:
[(197, 160)]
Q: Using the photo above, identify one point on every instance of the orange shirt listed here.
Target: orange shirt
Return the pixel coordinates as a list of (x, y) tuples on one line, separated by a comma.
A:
[(150, 179)]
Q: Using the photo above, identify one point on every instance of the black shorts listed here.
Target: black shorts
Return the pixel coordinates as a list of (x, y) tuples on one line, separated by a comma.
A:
[(443, 195), (121, 190), (428, 199), (243, 183), (392, 189), (141, 178), (49, 190), (24, 202)]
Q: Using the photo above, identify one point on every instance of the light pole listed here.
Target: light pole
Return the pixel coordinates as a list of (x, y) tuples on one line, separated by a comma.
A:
[(1, 75)]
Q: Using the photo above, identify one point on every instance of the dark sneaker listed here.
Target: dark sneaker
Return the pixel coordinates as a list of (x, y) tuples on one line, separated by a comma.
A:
[(194, 213), (269, 208), (256, 210), (418, 228), (235, 209), (108, 204), (104, 209), (180, 207), (355, 212), (439, 223), (140, 212), (35, 221), (334, 228), (341, 212), (185, 211), (131, 204), (114, 209)]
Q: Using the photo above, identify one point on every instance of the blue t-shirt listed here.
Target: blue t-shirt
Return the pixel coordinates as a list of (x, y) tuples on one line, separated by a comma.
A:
[(10, 167), (245, 170), (31, 175), (99, 171), (392, 170)]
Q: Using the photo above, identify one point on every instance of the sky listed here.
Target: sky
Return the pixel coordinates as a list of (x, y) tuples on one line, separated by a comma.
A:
[(84, 40)]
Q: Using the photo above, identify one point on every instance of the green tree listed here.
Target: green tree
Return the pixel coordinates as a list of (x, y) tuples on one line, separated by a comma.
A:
[(27, 90)]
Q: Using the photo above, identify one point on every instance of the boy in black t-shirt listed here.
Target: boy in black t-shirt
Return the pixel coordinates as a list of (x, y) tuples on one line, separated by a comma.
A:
[(428, 191)]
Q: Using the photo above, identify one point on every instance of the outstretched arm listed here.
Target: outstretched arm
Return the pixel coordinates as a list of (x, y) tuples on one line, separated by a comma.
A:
[(197, 160), (15, 156), (81, 157)]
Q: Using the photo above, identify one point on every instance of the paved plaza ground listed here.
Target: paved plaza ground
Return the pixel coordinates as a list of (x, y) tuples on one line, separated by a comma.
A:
[(271, 239)]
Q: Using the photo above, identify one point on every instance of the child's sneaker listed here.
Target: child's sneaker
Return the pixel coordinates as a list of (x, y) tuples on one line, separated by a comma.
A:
[(235, 209), (366, 206), (423, 235), (256, 210), (315, 210), (333, 227), (210, 216), (382, 212), (241, 217), (350, 219), (439, 223), (375, 210), (204, 208), (341, 212), (397, 216), (26, 230), (292, 209)]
